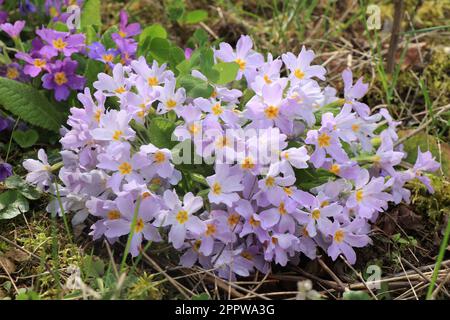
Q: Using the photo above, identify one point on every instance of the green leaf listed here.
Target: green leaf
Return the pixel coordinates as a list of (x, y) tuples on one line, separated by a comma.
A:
[(154, 31), (202, 296), (25, 139), (107, 40), (160, 49), (195, 16), (227, 72), (91, 13), (175, 9), (12, 203), (200, 36), (176, 56), (195, 87), (91, 34), (28, 191), (311, 178), (160, 132), (29, 104), (93, 68), (356, 295), (60, 26), (149, 33)]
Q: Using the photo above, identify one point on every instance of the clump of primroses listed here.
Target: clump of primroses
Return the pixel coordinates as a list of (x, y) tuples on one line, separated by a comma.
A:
[(51, 54), (256, 208)]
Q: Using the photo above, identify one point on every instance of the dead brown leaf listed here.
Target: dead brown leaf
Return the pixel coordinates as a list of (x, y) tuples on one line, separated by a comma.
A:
[(17, 255), (7, 265)]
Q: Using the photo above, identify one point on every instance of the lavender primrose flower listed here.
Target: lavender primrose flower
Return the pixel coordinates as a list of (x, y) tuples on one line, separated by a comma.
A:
[(180, 217), (62, 78), (35, 63), (346, 237), (97, 51), (126, 30), (119, 223), (60, 42), (13, 30)]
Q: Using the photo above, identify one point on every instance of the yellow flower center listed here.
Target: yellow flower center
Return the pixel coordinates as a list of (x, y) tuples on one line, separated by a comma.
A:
[(324, 140), (152, 81), (216, 188), (359, 195), (59, 44), (12, 73), (247, 163), (60, 78), (355, 127), (108, 57), (210, 229), (113, 215), (282, 209), (339, 236), (233, 219), (324, 203), (193, 129), (120, 90), (270, 182), (171, 104), (315, 214), (217, 109), (53, 12), (141, 114), (39, 63), (160, 157), (122, 34), (182, 216), (146, 195), (97, 116), (125, 168), (299, 73), (156, 181), (139, 225), (241, 63), (246, 255), (253, 222), (288, 191), (274, 240), (267, 79), (117, 134), (214, 94), (335, 168), (222, 142), (196, 245), (271, 112)]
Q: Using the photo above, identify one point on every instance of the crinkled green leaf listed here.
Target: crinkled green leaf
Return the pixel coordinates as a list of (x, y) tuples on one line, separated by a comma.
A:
[(311, 178), (29, 104), (160, 132), (91, 71), (195, 87), (91, 13), (160, 49), (107, 40), (195, 16), (227, 72)]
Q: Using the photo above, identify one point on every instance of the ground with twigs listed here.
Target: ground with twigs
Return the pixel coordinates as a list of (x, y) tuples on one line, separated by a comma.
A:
[(40, 260)]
